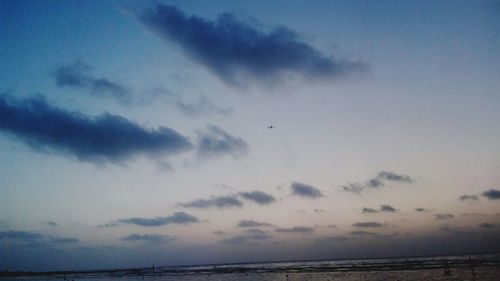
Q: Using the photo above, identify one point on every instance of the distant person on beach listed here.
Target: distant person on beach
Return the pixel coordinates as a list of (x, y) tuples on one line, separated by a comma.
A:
[(446, 267), (471, 263)]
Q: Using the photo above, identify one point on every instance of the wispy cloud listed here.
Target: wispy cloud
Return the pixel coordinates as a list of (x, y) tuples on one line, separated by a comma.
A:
[(422, 210), (176, 218), (148, 238), (383, 208), (77, 75), (469, 197), (104, 138), (217, 142), (258, 197), (52, 223), (216, 201), (380, 180), (305, 190), (492, 194), (35, 238), (201, 106), (64, 240), (444, 216), (368, 224), (252, 223), (234, 50), (296, 229)]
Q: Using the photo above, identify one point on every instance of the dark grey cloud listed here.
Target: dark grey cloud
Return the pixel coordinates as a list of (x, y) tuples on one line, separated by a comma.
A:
[(219, 202), (148, 238), (368, 224), (234, 50), (383, 208), (217, 142), (77, 75), (369, 211), (20, 235), (387, 208), (176, 218), (362, 233), (422, 210), (492, 194), (305, 190), (258, 197), (469, 197), (201, 106), (296, 229), (252, 223), (52, 223), (104, 138), (380, 180), (64, 240), (444, 216)]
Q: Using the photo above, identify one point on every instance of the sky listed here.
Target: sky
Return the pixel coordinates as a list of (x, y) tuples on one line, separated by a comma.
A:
[(199, 132)]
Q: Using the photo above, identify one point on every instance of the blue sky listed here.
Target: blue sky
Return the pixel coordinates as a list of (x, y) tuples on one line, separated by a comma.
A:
[(137, 133)]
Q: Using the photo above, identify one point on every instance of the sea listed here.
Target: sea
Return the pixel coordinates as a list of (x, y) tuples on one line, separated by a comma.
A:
[(460, 267)]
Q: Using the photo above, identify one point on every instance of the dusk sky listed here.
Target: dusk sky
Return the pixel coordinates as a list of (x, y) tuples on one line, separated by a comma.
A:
[(135, 133)]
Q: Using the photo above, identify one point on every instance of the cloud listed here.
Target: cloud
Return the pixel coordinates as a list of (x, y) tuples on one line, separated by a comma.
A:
[(176, 218), (305, 190), (387, 208), (296, 229), (76, 75), (469, 197), (422, 210), (368, 224), (35, 238), (63, 240), (52, 223), (219, 232), (148, 238), (258, 197), (200, 107), (383, 208), (492, 194), (487, 225), (369, 211), (219, 202), (331, 239), (444, 216), (258, 234), (362, 233), (20, 235), (235, 51), (332, 225), (104, 138), (235, 240), (217, 142), (252, 223), (380, 180)]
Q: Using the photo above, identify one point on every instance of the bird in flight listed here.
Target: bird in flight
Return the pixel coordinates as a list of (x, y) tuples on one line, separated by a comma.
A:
[(270, 127)]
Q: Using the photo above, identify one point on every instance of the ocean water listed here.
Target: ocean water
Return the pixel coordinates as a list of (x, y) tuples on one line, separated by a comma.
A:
[(482, 267)]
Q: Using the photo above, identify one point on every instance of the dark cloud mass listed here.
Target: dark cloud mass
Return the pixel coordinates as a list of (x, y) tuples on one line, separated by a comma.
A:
[(252, 223), (296, 229), (305, 190), (148, 238), (387, 208), (64, 240), (230, 48), (104, 138), (422, 210), (258, 197), (219, 202), (217, 142), (492, 194), (369, 211), (176, 218), (469, 198), (76, 75), (368, 224), (20, 235)]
